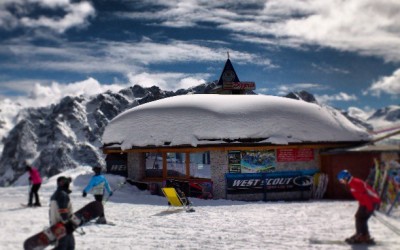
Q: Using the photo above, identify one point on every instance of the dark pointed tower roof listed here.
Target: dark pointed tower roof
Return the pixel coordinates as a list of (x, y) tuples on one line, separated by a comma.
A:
[(229, 83), (228, 74)]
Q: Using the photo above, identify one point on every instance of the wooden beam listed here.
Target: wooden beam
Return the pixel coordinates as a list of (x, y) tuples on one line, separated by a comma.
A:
[(187, 163), (164, 165), (225, 148)]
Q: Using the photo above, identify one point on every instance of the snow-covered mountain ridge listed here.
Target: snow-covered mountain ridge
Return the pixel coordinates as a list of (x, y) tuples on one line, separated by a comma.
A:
[(373, 121), (68, 134)]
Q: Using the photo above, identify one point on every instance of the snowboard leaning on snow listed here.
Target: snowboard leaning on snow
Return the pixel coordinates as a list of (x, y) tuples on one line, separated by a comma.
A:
[(52, 234)]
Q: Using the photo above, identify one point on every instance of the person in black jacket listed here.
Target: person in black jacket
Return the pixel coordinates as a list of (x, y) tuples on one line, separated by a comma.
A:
[(61, 211)]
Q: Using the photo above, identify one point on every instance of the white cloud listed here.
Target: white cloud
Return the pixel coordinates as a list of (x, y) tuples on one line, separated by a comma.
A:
[(51, 3), (329, 69), (344, 97), (40, 94), (387, 84), (365, 26), (284, 89), (262, 91), (54, 92), (167, 81), (76, 14), (368, 27), (362, 114), (117, 57), (188, 82), (7, 20)]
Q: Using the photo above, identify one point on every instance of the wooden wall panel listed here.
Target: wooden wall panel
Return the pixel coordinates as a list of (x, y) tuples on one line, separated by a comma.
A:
[(358, 164)]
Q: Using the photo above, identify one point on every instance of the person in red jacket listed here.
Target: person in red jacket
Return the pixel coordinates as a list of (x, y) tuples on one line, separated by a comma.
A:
[(36, 181), (368, 200)]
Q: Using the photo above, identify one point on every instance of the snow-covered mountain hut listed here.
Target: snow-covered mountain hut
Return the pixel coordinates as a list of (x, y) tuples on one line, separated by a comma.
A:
[(233, 146)]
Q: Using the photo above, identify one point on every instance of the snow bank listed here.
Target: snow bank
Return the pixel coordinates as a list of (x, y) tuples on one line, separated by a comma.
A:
[(143, 221)]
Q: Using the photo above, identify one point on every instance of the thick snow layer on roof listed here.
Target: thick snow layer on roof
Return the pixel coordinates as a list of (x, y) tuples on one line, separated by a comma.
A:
[(207, 119)]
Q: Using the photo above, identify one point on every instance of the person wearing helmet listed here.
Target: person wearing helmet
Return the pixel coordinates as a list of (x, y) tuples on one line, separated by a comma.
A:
[(368, 200), (61, 210), (97, 184)]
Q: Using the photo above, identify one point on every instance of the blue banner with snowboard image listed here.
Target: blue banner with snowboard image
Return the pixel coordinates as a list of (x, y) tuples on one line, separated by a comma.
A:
[(283, 181)]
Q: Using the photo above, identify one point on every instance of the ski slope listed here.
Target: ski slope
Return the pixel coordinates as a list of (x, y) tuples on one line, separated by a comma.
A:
[(143, 221)]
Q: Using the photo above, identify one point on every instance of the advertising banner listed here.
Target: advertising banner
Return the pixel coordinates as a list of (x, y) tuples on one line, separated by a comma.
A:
[(117, 164), (268, 182), (234, 161), (294, 154), (251, 161), (240, 85), (257, 161)]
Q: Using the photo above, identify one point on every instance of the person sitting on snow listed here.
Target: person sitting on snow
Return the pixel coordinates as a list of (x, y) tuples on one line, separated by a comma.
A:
[(368, 200), (98, 183)]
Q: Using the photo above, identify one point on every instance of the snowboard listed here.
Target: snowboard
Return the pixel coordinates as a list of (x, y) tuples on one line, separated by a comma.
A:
[(51, 234)]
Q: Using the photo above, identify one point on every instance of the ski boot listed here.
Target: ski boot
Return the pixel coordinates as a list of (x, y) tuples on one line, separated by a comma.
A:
[(101, 220), (366, 239), (351, 239), (360, 239)]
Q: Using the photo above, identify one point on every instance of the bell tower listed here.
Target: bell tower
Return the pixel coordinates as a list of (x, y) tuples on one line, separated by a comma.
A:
[(229, 83)]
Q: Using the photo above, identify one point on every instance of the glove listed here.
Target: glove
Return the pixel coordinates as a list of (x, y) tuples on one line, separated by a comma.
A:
[(84, 194), (111, 193)]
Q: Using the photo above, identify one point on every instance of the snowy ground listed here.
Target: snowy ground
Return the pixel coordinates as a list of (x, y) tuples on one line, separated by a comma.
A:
[(143, 221)]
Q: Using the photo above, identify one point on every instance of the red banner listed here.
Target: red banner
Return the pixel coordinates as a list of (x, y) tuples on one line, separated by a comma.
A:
[(294, 154), (239, 85)]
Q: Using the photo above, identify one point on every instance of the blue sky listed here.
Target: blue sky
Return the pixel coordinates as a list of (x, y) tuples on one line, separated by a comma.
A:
[(346, 53)]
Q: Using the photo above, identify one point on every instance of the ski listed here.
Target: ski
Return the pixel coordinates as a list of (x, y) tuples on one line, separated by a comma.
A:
[(108, 223), (27, 206), (339, 242), (327, 242)]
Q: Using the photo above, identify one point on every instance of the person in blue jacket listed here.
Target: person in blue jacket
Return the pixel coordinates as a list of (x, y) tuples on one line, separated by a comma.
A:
[(97, 185)]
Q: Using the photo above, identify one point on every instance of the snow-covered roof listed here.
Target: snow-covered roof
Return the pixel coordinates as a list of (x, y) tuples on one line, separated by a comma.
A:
[(214, 119)]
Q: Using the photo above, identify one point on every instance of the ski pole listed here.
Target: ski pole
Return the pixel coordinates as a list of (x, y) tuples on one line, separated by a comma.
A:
[(120, 185), (81, 232), (29, 191), (393, 203), (387, 224)]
